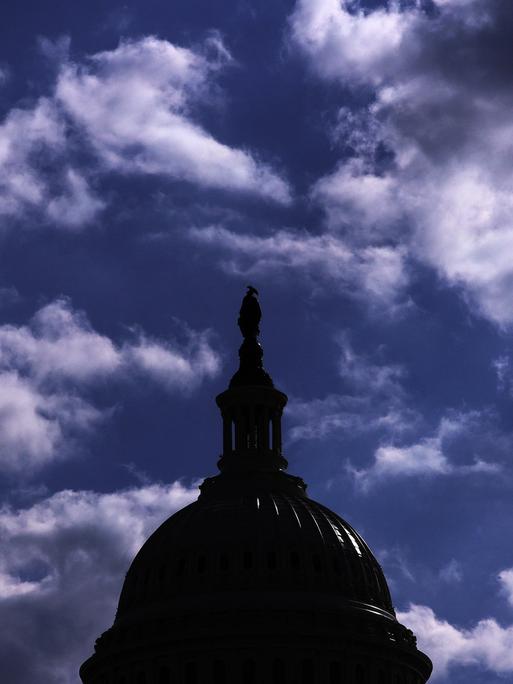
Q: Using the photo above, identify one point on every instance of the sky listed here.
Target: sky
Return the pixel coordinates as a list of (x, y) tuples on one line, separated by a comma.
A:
[(351, 159)]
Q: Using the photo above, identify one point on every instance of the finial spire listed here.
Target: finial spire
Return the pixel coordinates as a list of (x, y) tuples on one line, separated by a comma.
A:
[(251, 371), (252, 407)]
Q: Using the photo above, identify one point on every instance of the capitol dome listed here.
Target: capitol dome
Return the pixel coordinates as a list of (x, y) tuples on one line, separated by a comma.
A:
[(256, 536), (254, 582)]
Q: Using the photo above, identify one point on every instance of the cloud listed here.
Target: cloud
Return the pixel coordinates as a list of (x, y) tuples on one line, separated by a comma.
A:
[(442, 190), (356, 46), (373, 400), (77, 205), (62, 563), (428, 457), (37, 172), (502, 367), (135, 105), (25, 137), (182, 369), (364, 202), (323, 418), (4, 74), (487, 644), (451, 573), (375, 273), (48, 366), (60, 345), (136, 109), (36, 425), (506, 580), (361, 373)]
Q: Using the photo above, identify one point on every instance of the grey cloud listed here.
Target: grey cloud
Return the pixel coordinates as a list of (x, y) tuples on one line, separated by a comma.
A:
[(62, 562), (47, 366), (375, 274), (436, 455), (442, 104)]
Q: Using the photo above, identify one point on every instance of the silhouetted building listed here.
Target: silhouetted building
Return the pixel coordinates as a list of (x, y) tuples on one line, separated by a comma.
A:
[(255, 583)]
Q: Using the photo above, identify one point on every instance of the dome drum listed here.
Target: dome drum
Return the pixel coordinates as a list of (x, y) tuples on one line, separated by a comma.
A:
[(347, 657)]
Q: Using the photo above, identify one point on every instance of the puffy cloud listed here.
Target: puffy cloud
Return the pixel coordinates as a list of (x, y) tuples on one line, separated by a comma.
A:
[(134, 107), (135, 102), (339, 41), (375, 273), (174, 368), (429, 456), (58, 344), (487, 644), (77, 205), (445, 126), (47, 366), (36, 425), (62, 563), (25, 137), (355, 197)]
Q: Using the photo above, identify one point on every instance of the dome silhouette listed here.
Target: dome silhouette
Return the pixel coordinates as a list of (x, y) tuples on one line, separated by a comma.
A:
[(249, 539), (255, 583)]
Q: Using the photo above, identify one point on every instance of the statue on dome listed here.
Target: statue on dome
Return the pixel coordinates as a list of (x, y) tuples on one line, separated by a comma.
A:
[(250, 314), (251, 371)]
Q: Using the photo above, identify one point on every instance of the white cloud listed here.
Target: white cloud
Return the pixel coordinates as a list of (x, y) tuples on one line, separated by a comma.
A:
[(47, 366), (35, 425), (446, 195), (375, 273), (22, 135), (62, 563), (59, 343), (487, 644), (360, 200), (353, 45), (77, 206), (134, 104), (173, 368), (28, 136), (428, 457)]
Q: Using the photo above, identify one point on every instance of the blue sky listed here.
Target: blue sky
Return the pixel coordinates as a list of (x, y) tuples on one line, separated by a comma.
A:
[(352, 160)]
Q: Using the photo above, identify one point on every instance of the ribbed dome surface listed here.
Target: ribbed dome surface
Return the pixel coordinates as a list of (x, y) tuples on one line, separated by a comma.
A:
[(253, 538)]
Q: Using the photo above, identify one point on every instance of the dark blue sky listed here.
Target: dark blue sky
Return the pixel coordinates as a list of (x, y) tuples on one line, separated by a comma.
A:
[(350, 159)]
